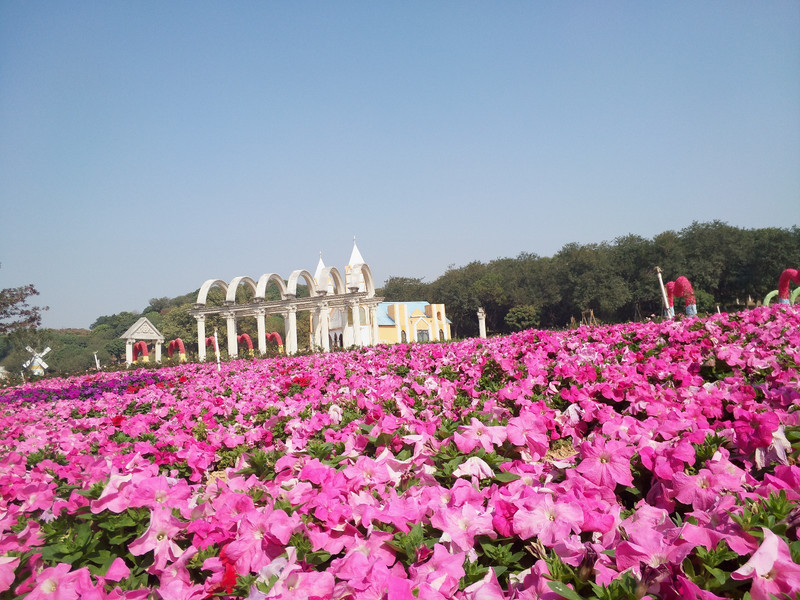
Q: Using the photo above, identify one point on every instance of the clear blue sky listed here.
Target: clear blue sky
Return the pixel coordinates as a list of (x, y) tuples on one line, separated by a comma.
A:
[(148, 146)]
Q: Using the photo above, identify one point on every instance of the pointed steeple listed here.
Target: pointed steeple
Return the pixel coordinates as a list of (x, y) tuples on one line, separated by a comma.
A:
[(355, 255), (320, 266)]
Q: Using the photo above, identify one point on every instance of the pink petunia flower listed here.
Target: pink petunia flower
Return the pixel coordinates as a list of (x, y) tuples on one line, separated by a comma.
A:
[(772, 569), (8, 565), (55, 583), (606, 462), (259, 531), (475, 468), (477, 434), (461, 524), (549, 520), (487, 588), (159, 537), (442, 571)]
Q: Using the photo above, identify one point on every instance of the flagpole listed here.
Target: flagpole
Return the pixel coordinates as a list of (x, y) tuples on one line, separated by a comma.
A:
[(216, 348), (663, 290)]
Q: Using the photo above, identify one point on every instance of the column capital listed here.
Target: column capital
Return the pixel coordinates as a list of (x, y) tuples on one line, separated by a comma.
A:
[(200, 318)]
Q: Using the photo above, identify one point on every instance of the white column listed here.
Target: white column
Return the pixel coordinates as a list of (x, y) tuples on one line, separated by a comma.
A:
[(233, 345), (356, 324), (158, 351), (435, 319), (262, 331), (291, 331), (315, 325), (324, 327), (129, 352), (373, 319), (201, 337), (482, 322), (397, 327)]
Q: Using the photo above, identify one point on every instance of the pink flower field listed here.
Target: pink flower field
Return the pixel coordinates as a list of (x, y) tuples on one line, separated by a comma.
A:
[(653, 460)]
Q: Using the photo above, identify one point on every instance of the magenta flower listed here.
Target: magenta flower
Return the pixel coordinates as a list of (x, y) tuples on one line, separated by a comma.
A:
[(442, 571), (8, 565), (503, 517), (772, 569), (700, 491), (461, 525), (651, 548), (160, 538), (261, 536), (529, 430), (475, 468), (547, 519), (55, 583), (606, 462), (477, 434), (486, 589), (754, 429)]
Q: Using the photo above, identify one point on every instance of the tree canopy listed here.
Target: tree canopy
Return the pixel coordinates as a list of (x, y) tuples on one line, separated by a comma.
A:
[(613, 281), (15, 312)]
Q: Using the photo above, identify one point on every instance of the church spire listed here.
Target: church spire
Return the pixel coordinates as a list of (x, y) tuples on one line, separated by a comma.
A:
[(355, 255), (320, 266)]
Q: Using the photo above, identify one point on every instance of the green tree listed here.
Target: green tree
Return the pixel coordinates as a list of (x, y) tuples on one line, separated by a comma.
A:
[(456, 291), (589, 280), (492, 293), (634, 260), (522, 317), (404, 289), (118, 323), (114, 351), (15, 312)]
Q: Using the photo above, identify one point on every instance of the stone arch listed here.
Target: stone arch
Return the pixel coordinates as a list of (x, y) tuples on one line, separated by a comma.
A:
[(202, 295), (263, 283), (230, 295), (369, 282), (338, 281), (291, 288)]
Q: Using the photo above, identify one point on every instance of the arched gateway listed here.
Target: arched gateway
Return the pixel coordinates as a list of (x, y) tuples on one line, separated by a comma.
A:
[(329, 293)]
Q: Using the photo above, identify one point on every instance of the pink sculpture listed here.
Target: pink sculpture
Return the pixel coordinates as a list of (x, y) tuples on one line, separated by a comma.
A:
[(246, 339), (787, 276), (681, 288), (177, 344), (140, 347)]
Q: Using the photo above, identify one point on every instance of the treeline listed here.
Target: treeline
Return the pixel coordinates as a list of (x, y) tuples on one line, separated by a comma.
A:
[(611, 281), (74, 350)]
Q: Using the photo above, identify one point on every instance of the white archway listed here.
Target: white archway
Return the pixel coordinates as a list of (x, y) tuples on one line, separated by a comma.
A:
[(319, 303)]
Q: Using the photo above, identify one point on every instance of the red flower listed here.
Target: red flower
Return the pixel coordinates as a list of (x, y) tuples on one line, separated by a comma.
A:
[(301, 380), (118, 420)]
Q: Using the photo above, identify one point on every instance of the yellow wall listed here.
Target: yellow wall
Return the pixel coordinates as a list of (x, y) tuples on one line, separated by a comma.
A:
[(433, 320)]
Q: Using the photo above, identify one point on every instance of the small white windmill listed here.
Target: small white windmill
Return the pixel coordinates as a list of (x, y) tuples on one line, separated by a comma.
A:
[(35, 363)]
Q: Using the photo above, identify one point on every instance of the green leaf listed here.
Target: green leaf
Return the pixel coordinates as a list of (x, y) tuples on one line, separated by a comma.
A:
[(718, 574), (503, 477), (565, 592)]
